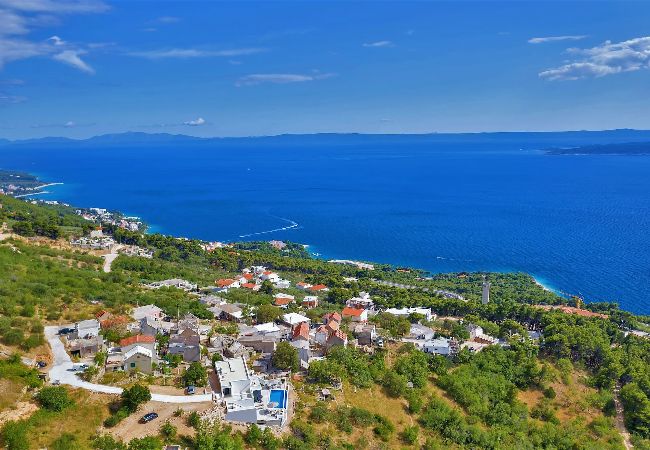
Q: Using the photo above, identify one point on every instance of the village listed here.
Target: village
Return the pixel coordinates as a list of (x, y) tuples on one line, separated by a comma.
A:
[(236, 350)]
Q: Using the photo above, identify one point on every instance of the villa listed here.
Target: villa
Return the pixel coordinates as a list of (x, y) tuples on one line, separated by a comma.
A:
[(247, 397)]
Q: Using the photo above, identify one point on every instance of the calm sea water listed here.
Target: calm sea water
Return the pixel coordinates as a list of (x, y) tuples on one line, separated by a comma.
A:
[(578, 224)]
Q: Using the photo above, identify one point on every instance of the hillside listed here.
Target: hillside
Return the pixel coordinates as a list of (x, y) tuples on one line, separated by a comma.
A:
[(554, 393)]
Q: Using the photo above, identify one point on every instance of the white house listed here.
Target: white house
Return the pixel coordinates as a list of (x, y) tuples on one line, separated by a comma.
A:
[(293, 319), (405, 312), (438, 346), (270, 276), (147, 311), (87, 329)]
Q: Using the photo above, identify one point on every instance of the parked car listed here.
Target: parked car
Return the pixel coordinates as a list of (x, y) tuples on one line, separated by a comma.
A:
[(191, 390), (56, 383), (66, 331), (41, 364), (148, 417)]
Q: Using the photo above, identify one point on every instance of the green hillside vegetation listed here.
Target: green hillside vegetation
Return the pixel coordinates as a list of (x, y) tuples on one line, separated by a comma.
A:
[(513, 397)]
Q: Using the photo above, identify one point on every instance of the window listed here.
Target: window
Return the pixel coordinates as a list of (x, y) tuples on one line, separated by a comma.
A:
[(132, 364)]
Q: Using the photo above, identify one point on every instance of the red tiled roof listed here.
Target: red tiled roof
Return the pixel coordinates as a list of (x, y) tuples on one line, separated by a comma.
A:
[(280, 301), (302, 283), (300, 331), (352, 312), (318, 287), (137, 339), (339, 334), (248, 276), (268, 272), (224, 282), (249, 285), (332, 316)]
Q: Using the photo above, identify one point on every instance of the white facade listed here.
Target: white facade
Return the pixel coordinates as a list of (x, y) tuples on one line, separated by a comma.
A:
[(405, 312)]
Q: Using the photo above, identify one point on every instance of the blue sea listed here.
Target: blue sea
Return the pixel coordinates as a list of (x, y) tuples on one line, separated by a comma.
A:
[(579, 224)]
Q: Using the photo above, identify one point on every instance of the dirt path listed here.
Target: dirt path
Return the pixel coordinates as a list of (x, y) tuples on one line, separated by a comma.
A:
[(620, 419)]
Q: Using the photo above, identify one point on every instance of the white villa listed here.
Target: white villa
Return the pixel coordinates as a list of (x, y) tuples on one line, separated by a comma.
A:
[(249, 398)]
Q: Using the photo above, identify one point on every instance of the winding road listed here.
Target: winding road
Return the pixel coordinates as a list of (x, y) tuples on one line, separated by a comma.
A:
[(62, 365)]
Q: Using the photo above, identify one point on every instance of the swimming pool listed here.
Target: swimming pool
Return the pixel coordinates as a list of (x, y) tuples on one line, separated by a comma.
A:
[(279, 396)]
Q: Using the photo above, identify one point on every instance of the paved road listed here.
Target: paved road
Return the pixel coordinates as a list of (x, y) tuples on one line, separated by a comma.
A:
[(62, 364), (108, 259)]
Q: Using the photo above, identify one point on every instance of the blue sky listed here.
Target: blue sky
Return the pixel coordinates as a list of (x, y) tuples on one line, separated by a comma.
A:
[(80, 68)]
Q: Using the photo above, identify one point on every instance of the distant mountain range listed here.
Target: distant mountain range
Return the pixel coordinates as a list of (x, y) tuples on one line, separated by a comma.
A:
[(626, 148), (626, 140)]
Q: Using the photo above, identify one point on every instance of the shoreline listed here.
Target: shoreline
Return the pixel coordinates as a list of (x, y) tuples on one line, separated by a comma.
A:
[(318, 253)]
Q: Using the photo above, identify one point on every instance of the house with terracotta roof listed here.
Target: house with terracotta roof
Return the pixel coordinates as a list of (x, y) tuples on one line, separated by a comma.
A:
[(137, 339), (303, 286), (319, 288), (338, 338), (310, 301), (282, 302), (300, 332), (270, 276), (248, 277), (332, 316), (355, 314), (227, 283), (251, 286)]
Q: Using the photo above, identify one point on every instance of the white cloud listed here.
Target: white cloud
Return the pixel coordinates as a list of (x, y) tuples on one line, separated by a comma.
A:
[(18, 17), (69, 124), (71, 57), (542, 40), (378, 44), (185, 53), (12, 23), (279, 78), (11, 99), (56, 6), (56, 40), (195, 123), (605, 59)]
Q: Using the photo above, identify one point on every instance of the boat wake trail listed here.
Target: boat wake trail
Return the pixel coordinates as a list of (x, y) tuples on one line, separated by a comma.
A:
[(292, 225)]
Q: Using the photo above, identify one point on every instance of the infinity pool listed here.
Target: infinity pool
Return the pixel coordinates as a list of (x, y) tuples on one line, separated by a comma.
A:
[(279, 396)]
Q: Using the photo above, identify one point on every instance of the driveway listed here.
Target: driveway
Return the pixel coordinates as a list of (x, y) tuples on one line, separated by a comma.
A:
[(62, 364), (112, 256)]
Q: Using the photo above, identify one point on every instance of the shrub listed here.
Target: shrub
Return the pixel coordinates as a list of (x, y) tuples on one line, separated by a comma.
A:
[(195, 375), (194, 420), (410, 435), (66, 441), (394, 384), (54, 398), (384, 428), (319, 413), (116, 418), (14, 436), (168, 431), (549, 392), (134, 396)]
